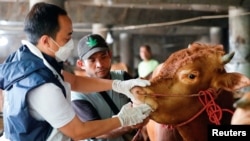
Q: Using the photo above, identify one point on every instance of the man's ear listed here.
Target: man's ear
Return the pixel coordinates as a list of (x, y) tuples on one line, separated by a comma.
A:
[(44, 41), (43, 44), (80, 63)]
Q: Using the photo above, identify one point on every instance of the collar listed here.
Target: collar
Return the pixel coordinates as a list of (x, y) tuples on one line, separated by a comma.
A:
[(58, 66)]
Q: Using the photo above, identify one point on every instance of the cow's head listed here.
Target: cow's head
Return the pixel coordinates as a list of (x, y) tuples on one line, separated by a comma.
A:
[(174, 88)]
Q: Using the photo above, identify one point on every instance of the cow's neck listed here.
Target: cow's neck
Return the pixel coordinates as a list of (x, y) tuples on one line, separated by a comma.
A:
[(195, 130)]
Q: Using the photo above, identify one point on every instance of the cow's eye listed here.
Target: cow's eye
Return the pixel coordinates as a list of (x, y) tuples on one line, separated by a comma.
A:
[(191, 76)]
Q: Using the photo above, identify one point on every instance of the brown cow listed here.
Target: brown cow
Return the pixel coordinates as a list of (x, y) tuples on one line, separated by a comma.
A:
[(191, 90), (241, 115)]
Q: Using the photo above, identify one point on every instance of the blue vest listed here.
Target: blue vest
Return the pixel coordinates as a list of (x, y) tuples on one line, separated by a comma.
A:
[(19, 74)]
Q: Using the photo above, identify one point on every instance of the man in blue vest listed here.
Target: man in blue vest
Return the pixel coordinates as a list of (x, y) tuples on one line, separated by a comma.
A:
[(95, 59), (37, 98)]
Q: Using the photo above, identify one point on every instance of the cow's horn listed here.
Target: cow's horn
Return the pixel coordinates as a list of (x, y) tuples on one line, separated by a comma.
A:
[(227, 57)]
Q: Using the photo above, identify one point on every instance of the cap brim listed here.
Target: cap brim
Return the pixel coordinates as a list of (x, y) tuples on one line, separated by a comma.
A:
[(92, 51)]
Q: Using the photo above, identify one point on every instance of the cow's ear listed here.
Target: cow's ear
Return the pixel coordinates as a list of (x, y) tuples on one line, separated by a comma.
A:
[(232, 81)]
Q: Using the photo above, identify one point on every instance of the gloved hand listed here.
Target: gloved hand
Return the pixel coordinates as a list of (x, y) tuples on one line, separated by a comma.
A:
[(129, 115), (125, 86)]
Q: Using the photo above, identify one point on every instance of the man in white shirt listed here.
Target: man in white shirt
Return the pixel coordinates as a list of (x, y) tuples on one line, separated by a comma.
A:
[(36, 95)]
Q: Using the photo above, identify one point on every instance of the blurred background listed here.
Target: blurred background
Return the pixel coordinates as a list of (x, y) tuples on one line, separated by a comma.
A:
[(165, 25)]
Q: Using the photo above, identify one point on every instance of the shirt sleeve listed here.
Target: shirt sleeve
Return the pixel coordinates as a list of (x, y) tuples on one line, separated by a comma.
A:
[(47, 102), (85, 110)]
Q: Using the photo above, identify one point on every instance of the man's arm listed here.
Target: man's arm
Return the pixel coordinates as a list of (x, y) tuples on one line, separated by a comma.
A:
[(90, 84), (77, 130), (128, 116), (117, 132), (87, 84), (86, 112), (48, 102)]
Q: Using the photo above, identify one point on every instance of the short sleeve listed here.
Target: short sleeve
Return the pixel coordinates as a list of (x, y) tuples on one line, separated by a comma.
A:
[(47, 102)]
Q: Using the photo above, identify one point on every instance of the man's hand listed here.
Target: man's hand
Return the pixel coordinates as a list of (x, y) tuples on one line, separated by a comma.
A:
[(129, 115), (126, 86), (140, 125)]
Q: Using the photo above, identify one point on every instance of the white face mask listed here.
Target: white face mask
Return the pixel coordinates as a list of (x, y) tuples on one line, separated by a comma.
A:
[(63, 53)]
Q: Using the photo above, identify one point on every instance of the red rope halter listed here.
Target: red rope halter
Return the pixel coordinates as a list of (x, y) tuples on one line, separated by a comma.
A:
[(213, 110)]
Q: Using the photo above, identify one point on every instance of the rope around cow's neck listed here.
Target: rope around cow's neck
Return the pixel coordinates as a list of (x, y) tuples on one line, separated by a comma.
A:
[(213, 110)]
